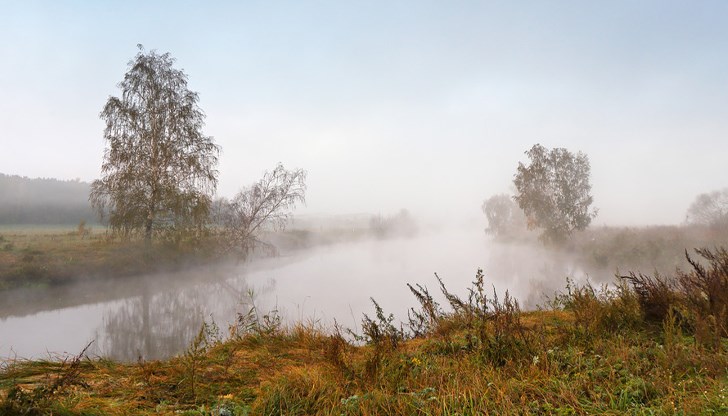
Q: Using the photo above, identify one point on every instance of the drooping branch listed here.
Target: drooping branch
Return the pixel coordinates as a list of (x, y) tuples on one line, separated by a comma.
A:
[(266, 204)]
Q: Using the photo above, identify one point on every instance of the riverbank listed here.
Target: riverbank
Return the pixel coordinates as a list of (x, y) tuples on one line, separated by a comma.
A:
[(588, 352), (38, 257), (32, 256)]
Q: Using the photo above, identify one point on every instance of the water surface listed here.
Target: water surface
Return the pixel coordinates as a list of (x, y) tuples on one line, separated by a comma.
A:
[(157, 316)]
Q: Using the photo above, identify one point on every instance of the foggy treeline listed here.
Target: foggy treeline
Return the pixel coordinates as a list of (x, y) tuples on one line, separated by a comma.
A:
[(43, 201)]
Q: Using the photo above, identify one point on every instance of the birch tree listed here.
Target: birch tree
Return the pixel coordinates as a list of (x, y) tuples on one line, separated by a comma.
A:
[(159, 169), (266, 205)]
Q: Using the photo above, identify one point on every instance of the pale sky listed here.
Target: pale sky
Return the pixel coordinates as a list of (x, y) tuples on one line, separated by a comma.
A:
[(421, 105)]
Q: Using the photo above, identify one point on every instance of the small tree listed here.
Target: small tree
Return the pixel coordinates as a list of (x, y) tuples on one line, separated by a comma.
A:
[(710, 209), (553, 192), (504, 215), (159, 169), (265, 205)]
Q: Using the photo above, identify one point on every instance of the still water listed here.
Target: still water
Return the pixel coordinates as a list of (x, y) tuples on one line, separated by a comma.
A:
[(156, 316)]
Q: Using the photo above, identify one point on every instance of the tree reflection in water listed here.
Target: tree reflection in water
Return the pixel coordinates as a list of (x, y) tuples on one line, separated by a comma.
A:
[(159, 325)]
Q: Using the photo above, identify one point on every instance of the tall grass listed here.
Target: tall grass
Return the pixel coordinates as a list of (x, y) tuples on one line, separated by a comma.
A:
[(696, 298)]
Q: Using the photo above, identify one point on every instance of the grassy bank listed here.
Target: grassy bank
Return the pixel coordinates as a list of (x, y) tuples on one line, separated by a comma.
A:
[(43, 256), (33, 256), (46, 256), (648, 346)]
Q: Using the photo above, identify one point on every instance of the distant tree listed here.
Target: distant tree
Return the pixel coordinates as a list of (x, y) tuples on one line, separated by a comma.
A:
[(265, 205), (710, 209), (400, 224), (504, 215), (554, 192), (159, 169)]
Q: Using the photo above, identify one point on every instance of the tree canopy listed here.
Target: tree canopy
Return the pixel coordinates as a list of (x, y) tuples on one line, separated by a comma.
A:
[(159, 169), (554, 192), (710, 209)]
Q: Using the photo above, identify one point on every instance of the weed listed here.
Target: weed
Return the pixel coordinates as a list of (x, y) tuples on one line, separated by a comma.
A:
[(423, 322), (656, 294), (599, 311), (698, 297), (382, 335), (208, 336), (380, 332), (335, 348), (252, 323), (706, 289), (491, 326)]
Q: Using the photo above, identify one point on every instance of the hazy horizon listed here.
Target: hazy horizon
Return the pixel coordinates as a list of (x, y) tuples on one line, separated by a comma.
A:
[(416, 105)]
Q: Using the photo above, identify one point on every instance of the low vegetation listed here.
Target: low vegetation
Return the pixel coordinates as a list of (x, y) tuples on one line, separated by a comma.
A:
[(645, 345), (51, 256), (645, 249), (33, 256)]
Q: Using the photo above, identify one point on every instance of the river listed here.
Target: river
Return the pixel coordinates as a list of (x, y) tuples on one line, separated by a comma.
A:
[(157, 316)]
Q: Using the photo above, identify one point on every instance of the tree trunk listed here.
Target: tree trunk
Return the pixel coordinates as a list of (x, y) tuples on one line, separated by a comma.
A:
[(146, 325), (148, 230)]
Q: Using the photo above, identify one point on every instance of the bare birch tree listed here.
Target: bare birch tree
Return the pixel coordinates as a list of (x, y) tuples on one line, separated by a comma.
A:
[(159, 169), (265, 205)]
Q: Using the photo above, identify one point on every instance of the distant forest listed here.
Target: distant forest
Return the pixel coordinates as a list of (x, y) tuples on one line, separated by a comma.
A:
[(44, 201)]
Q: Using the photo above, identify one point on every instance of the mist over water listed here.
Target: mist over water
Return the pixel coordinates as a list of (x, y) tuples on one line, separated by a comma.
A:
[(157, 316)]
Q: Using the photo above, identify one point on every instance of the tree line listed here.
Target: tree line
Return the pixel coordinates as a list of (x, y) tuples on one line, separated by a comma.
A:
[(43, 201)]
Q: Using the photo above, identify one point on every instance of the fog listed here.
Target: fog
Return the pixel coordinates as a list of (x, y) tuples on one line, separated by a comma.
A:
[(156, 316), (422, 106)]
